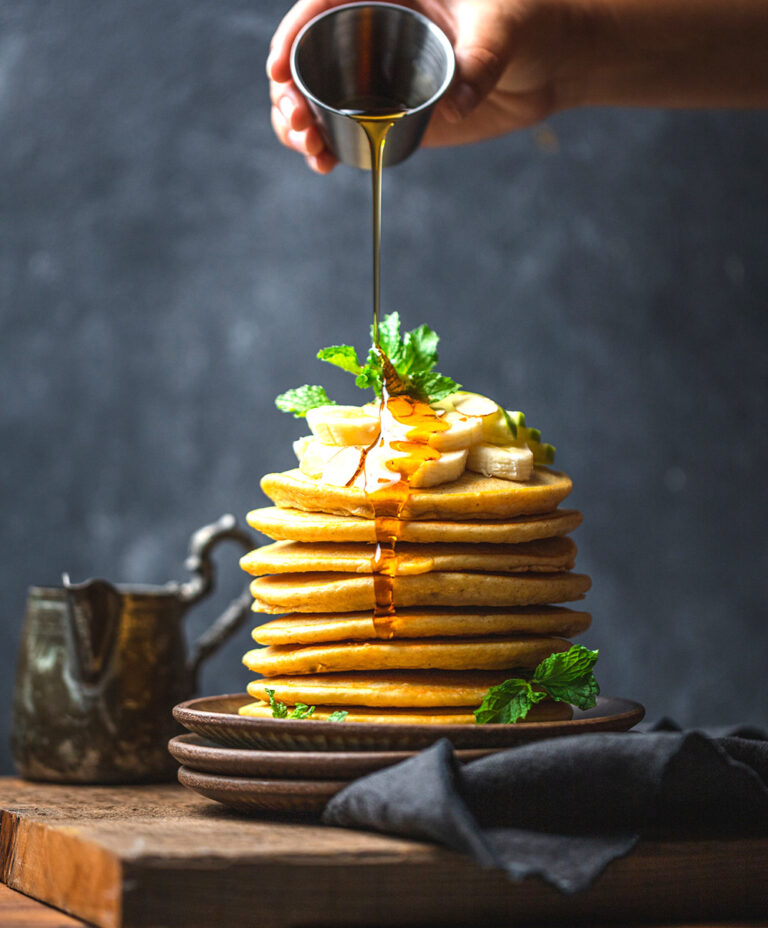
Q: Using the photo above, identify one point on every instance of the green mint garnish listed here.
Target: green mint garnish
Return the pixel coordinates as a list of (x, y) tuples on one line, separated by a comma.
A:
[(412, 355), (301, 399), (565, 677), (280, 710)]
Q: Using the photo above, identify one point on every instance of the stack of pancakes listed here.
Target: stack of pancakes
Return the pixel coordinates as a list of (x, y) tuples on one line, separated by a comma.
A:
[(480, 563)]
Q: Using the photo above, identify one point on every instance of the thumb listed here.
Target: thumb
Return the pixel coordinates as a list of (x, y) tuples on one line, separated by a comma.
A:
[(482, 49)]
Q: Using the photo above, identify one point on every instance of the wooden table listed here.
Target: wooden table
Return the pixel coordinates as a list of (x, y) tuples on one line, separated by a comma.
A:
[(144, 857)]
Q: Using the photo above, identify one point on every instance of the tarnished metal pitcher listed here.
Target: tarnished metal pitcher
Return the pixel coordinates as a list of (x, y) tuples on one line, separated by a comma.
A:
[(101, 666)]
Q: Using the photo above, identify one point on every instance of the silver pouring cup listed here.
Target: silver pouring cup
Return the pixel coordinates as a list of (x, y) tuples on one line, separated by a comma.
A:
[(371, 51)]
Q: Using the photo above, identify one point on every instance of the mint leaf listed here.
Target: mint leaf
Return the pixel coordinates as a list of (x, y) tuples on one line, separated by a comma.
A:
[(343, 356), (301, 711), (301, 399), (279, 709), (508, 702), (567, 676), (433, 385), (420, 349), (389, 335), (369, 379), (413, 356), (338, 716)]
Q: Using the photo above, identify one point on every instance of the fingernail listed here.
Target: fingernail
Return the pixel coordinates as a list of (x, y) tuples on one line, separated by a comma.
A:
[(298, 140), (286, 106), (270, 62)]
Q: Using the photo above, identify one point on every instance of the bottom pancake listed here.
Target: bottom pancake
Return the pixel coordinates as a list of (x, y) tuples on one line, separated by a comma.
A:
[(542, 712), (391, 689)]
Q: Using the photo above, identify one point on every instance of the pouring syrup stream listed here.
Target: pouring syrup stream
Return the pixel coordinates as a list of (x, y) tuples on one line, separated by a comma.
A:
[(406, 423)]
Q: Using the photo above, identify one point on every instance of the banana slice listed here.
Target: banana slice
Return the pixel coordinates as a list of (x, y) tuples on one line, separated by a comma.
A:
[(343, 466), (301, 444), (343, 425), (449, 466), (508, 462), (462, 432), (473, 404), (496, 430), (315, 457)]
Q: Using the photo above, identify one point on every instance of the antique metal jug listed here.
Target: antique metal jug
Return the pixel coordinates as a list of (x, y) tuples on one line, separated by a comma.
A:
[(101, 666)]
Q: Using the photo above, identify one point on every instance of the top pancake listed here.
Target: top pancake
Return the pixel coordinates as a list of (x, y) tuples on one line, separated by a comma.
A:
[(472, 496), (299, 525)]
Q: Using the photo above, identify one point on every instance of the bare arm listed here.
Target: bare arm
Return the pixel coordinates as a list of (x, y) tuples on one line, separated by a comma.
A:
[(670, 53)]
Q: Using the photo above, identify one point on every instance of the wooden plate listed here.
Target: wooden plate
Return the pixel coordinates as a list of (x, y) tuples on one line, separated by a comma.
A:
[(198, 754), (216, 718), (249, 794)]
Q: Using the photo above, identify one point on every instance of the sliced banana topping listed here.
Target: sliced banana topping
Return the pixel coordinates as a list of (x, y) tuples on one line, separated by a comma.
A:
[(343, 466), (509, 462), (301, 444), (481, 436), (462, 432), (473, 404), (449, 466), (315, 457), (343, 425)]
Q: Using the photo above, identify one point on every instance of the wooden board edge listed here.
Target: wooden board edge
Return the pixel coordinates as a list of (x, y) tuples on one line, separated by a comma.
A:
[(660, 882), (57, 866)]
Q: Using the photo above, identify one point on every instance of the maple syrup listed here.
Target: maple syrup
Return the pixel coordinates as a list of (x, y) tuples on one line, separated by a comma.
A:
[(406, 423), (375, 115)]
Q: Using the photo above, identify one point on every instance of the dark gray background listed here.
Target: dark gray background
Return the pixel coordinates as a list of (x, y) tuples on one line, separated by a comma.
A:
[(166, 268)]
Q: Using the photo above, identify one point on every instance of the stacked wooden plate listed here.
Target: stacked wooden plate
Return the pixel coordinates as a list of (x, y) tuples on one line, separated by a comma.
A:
[(284, 765)]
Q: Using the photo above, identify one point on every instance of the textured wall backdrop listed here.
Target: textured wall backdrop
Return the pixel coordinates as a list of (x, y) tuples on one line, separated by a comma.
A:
[(166, 268)]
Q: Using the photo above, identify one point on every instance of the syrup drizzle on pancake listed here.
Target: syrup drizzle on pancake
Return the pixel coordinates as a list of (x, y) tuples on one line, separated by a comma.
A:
[(402, 447), (406, 423)]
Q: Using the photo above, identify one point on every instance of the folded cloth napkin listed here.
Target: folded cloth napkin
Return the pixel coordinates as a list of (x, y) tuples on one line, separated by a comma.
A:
[(562, 809)]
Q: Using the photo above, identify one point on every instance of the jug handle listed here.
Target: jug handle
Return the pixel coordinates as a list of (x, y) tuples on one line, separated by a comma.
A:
[(199, 563)]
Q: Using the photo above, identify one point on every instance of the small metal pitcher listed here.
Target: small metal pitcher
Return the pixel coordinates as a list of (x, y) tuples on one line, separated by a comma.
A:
[(371, 50), (101, 667)]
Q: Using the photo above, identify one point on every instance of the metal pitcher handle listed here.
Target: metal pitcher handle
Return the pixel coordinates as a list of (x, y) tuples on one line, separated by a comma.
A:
[(200, 564)]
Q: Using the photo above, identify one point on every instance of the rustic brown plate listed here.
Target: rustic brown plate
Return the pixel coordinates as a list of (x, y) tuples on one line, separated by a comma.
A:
[(248, 794), (197, 753), (216, 718)]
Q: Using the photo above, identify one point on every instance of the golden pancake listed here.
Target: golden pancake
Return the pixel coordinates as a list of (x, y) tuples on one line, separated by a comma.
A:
[(472, 496), (405, 654), (403, 688), (298, 525), (332, 592), (416, 623), (542, 712), (547, 555)]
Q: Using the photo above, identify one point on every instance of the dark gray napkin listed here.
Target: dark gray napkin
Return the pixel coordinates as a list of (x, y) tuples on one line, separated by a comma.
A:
[(563, 809)]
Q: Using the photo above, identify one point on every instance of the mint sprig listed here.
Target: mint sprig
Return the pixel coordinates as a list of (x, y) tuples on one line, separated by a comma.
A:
[(300, 711), (565, 677), (413, 355), (301, 399)]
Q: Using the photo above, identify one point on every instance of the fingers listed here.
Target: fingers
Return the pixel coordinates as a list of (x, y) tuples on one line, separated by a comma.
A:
[(306, 140), (278, 67), (483, 46), (291, 117)]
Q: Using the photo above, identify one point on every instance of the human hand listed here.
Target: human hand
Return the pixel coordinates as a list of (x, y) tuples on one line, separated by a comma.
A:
[(507, 52)]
